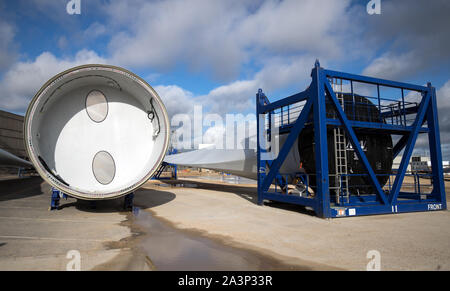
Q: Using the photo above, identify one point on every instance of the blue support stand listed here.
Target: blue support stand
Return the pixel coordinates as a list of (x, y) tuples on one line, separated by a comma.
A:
[(163, 168), (56, 196), (128, 202), (391, 198)]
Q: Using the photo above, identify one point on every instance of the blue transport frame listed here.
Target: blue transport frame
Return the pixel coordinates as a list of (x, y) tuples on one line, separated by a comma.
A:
[(167, 166), (313, 113)]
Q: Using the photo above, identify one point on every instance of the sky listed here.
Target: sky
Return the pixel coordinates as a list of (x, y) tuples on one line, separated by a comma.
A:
[(218, 53)]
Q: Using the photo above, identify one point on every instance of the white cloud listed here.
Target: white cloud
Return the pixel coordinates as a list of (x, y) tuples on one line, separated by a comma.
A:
[(236, 133), (6, 41), (392, 66), (163, 33), (443, 103), (283, 38), (176, 99), (94, 30), (235, 96), (222, 36), (239, 96), (411, 45), (23, 79), (215, 135), (62, 42), (296, 26)]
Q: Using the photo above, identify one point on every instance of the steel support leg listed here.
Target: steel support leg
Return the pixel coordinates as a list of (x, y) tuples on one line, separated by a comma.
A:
[(56, 197), (128, 202)]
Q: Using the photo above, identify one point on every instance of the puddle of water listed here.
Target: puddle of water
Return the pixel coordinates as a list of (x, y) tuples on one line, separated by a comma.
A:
[(172, 249)]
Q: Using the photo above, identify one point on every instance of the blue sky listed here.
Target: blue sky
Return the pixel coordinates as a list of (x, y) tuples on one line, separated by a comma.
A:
[(217, 53)]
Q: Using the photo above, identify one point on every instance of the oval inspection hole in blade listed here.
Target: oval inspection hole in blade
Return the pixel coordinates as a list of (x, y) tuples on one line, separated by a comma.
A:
[(96, 106), (103, 167)]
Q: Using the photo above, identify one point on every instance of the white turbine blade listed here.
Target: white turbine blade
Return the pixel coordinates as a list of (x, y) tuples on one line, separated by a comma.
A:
[(240, 162), (9, 160), (237, 162)]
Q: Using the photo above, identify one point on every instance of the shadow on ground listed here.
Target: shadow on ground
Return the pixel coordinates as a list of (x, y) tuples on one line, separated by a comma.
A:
[(21, 188), (148, 198), (248, 193), (145, 198)]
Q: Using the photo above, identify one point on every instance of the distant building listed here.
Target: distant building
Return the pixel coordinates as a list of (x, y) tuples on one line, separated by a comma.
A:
[(417, 163), (420, 164), (11, 134), (396, 164)]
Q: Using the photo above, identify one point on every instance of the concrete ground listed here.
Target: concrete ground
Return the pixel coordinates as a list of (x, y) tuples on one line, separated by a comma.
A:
[(206, 224), (33, 238), (409, 241)]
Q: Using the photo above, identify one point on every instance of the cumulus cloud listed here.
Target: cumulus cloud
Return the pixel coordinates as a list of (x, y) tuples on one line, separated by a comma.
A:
[(215, 135), (94, 30), (414, 43), (176, 99), (62, 42), (162, 34), (284, 27), (417, 34), (216, 127), (393, 66), (443, 102), (239, 96), (283, 38), (221, 36), (277, 40), (23, 79), (6, 41)]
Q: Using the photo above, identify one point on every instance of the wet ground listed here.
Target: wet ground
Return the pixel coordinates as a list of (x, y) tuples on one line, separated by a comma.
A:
[(34, 238), (171, 249), (292, 234), (198, 224)]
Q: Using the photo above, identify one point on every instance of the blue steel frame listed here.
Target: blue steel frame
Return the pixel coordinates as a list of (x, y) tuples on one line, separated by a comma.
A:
[(381, 202), (163, 167)]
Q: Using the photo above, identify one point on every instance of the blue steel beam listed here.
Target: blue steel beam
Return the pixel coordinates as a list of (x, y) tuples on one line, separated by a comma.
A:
[(290, 199), (388, 209), (434, 142), (355, 142), (295, 131), (375, 127), (302, 96), (409, 148), (321, 143), (401, 112), (374, 81), (400, 129), (261, 100), (400, 145)]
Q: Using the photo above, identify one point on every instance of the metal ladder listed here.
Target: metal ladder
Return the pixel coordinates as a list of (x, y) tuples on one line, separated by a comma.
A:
[(340, 149)]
